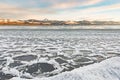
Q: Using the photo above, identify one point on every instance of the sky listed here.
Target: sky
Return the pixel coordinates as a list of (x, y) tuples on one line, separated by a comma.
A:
[(61, 9)]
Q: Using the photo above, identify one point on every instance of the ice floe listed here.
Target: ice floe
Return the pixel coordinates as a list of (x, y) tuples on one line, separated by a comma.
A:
[(105, 70)]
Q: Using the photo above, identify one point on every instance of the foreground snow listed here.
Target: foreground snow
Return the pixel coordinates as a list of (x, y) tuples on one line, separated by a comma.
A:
[(105, 70)]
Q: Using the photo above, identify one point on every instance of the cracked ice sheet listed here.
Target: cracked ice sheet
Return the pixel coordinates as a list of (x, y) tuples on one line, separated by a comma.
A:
[(105, 70)]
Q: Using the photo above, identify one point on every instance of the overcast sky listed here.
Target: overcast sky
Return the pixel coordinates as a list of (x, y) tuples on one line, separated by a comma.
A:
[(61, 9)]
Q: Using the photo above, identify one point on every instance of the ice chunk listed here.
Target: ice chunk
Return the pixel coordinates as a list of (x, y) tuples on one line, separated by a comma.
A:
[(105, 70)]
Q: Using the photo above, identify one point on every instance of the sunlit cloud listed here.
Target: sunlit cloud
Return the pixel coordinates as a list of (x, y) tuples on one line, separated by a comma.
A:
[(10, 11), (102, 8), (60, 9), (75, 3)]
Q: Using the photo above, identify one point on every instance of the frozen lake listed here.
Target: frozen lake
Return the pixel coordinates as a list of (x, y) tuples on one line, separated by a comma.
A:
[(45, 51)]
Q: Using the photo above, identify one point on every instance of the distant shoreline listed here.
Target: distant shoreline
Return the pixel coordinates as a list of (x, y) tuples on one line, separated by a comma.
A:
[(56, 25), (33, 22)]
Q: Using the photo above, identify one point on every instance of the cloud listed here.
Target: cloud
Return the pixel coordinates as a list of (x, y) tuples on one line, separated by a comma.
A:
[(50, 9), (59, 4), (102, 8), (12, 11), (74, 3), (59, 9), (108, 12), (100, 13)]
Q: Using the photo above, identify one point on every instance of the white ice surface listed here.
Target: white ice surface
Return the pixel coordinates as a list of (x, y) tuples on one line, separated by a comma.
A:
[(105, 70)]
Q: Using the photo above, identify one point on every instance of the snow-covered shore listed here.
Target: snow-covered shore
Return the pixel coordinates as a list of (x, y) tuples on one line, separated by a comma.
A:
[(106, 70)]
